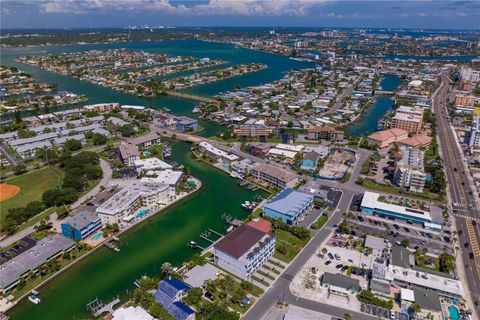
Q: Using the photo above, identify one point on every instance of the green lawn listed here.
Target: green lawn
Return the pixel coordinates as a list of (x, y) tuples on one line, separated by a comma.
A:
[(32, 186), (292, 244), (320, 222)]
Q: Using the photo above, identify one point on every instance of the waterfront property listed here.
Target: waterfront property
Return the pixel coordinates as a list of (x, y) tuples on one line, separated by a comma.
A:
[(136, 313), (46, 249), (146, 140), (385, 138), (151, 164), (129, 154), (81, 226), (216, 153), (124, 203), (254, 130), (326, 133), (289, 205), (245, 249), (274, 176), (372, 206), (169, 294), (185, 124)]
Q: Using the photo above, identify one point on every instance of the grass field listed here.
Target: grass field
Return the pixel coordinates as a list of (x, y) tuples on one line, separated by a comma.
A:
[(32, 186), (292, 244)]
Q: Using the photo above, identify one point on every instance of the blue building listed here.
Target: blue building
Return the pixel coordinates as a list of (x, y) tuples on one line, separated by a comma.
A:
[(82, 225), (186, 124), (169, 294), (289, 205)]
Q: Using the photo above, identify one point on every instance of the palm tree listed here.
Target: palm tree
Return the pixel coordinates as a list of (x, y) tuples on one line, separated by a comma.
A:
[(167, 269)]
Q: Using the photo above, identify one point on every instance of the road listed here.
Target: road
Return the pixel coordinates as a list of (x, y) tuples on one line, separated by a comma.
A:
[(280, 290), (461, 194), (107, 176), (10, 158), (346, 92)]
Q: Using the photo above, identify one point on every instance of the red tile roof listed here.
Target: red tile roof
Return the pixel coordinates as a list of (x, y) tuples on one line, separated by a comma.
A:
[(261, 224)]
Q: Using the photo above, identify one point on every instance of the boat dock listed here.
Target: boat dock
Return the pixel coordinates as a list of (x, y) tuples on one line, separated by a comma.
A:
[(112, 244), (218, 233), (97, 308)]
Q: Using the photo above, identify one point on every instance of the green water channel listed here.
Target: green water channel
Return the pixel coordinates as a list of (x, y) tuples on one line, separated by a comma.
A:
[(162, 238)]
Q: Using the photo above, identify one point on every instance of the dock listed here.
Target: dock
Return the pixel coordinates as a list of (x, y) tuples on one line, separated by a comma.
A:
[(217, 233), (111, 244), (97, 307), (205, 238)]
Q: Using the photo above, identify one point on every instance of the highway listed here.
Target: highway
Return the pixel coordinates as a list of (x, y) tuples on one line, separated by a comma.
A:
[(461, 195)]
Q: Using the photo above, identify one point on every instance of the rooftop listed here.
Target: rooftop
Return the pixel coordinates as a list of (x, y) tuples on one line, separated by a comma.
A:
[(385, 135), (340, 280), (128, 150), (33, 258), (289, 201), (281, 174), (240, 241), (375, 243), (82, 219)]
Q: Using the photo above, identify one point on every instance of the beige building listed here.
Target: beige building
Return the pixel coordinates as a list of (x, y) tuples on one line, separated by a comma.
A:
[(274, 176), (410, 123), (385, 138)]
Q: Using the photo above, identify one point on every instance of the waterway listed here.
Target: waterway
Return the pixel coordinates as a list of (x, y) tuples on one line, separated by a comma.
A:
[(383, 104), (143, 249), (278, 66)]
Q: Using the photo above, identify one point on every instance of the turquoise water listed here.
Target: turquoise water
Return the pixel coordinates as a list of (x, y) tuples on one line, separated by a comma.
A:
[(368, 122), (143, 213), (224, 166), (277, 67), (147, 153), (454, 314), (97, 236)]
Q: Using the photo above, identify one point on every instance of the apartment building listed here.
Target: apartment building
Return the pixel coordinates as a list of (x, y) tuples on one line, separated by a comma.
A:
[(274, 176)]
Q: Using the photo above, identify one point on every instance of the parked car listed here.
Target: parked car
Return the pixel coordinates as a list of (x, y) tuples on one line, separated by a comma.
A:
[(328, 262), (330, 256), (338, 266), (337, 256)]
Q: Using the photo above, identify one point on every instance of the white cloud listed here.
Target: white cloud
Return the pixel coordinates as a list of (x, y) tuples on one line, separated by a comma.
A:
[(214, 7)]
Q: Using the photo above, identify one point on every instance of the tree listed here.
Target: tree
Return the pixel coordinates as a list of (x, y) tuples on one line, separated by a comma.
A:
[(72, 145), (405, 243), (127, 130), (281, 248), (228, 283), (416, 308), (20, 169), (324, 250), (99, 139), (446, 262), (347, 316), (194, 296), (167, 269)]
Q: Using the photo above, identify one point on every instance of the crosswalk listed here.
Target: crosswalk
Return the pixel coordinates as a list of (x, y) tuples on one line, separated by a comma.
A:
[(461, 216), (473, 239)]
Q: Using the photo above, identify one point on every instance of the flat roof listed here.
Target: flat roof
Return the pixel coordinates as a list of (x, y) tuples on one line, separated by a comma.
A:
[(197, 276), (370, 200), (289, 147), (427, 299), (276, 172), (219, 153), (340, 280), (375, 243), (83, 219), (289, 202), (280, 152), (151, 164), (240, 241), (407, 294), (168, 177), (33, 258)]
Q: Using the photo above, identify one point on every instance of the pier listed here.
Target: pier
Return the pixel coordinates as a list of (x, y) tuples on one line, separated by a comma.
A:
[(111, 244), (97, 307), (218, 233)]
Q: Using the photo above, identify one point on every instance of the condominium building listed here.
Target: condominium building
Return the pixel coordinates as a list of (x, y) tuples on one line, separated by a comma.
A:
[(82, 225), (252, 131), (474, 134), (127, 201), (409, 173), (325, 133), (274, 176), (244, 250), (146, 141), (289, 205), (385, 138), (217, 153), (129, 154), (410, 123)]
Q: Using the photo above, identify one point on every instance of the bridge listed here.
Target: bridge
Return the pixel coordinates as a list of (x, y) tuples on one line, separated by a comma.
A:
[(384, 93), (188, 96)]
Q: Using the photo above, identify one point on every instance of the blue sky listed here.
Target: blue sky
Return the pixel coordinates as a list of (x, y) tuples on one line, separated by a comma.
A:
[(438, 14)]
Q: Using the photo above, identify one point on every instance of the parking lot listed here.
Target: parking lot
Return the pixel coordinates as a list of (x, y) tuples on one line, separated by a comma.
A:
[(377, 311), (23, 245)]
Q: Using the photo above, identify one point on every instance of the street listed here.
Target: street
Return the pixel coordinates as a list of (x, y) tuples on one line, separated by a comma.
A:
[(461, 194)]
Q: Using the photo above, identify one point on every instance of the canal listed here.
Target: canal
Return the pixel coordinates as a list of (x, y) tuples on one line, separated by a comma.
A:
[(383, 104), (143, 249)]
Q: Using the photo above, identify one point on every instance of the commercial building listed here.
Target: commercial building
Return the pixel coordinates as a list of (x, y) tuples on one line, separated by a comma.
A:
[(169, 294), (327, 133), (289, 206), (81, 226), (46, 249), (410, 123), (131, 198), (129, 154), (274, 176), (340, 284), (411, 111), (281, 155), (244, 250), (254, 130), (186, 124), (216, 153), (259, 149), (372, 206), (385, 138)]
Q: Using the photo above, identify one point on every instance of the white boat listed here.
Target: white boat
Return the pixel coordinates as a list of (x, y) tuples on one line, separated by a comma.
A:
[(195, 110), (33, 297)]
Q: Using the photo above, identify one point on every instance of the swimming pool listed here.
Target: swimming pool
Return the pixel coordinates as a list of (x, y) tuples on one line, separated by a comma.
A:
[(224, 166), (147, 153), (454, 314), (143, 213), (97, 236)]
